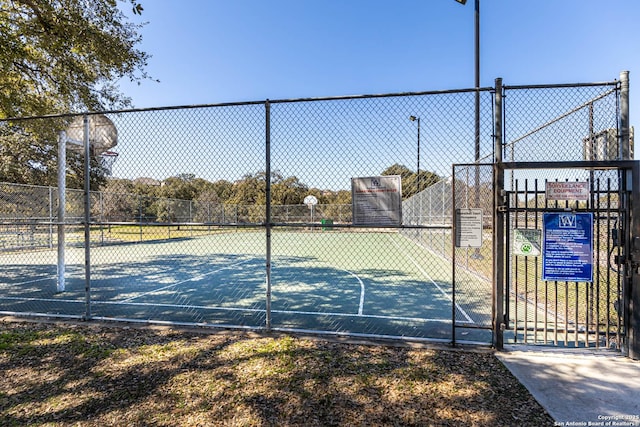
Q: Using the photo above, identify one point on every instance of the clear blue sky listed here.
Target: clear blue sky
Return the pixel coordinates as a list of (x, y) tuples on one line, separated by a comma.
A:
[(214, 51)]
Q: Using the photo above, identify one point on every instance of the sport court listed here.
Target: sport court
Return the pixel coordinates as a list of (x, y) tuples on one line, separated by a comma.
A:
[(380, 284)]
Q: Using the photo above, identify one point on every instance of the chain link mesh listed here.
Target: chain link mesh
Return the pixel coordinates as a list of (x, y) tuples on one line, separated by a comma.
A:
[(559, 123), (180, 230)]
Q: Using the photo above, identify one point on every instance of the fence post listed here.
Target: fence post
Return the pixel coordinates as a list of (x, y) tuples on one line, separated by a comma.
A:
[(267, 106), (101, 216), (498, 224), (625, 149), (50, 217), (87, 218), (62, 184), (631, 290)]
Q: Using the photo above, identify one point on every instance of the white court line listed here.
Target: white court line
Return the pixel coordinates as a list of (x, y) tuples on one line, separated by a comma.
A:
[(362, 290), (192, 279), (403, 252), (31, 299), (32, 281), (237, 309)]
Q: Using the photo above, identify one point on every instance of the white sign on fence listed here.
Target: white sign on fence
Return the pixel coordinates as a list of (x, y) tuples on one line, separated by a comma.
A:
[(567, 190), (468, 228), (377, 200), (527, 242)]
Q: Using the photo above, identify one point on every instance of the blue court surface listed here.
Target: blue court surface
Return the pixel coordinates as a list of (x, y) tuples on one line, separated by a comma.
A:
[(379, 284)]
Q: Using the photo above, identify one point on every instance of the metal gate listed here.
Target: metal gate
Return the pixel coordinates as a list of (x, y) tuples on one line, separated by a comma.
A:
[(559, 240), (567, 268)]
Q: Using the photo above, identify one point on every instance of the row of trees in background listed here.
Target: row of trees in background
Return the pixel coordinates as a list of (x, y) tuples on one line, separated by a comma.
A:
[(175, 197)]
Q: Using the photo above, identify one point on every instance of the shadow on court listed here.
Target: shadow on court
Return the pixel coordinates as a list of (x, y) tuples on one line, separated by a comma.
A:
[(231, 290)]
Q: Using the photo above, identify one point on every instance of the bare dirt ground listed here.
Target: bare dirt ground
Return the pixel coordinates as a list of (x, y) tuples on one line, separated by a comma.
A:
[(59, 374)]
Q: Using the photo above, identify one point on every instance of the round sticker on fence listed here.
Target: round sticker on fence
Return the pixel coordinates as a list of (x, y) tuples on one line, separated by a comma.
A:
[(526, 248)]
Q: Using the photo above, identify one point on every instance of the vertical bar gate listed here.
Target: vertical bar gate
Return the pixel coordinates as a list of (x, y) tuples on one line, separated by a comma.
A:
[(567, 308)]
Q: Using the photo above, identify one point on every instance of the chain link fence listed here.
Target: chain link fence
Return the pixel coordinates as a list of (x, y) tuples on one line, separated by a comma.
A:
[(202, 219)]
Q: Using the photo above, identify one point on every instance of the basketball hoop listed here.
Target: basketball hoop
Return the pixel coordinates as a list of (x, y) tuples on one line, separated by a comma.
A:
[(310, 201), (103, 134), (107, 159)]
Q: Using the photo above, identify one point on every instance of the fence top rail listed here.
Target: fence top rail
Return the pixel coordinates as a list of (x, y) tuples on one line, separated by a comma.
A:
[(614, 83), (14, 184), (595, 165), (245, 103), (578, 164), (560, 85)]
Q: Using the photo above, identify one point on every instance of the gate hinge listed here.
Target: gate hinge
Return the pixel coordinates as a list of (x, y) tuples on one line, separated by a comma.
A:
[(502, 208)]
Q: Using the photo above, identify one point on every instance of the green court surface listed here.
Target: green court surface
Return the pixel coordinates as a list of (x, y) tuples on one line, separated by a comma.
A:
[(372, 283)]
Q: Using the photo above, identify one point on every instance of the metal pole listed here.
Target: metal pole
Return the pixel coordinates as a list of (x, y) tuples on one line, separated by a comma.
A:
[(631, 289), (477, 82), (453, 252), (101, 218), (418, 168), (50, 217), (62, 171), (414, 118), (625, 149), (477, 254), (87, 218), (268, 210), (499, 324), (631, 298)]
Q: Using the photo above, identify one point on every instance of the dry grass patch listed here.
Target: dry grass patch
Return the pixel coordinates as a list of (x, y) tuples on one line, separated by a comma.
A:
[(87, 375)]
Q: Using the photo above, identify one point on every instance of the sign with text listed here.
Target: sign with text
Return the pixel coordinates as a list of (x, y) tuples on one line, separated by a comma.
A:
[(468, 228), (567, 190), (567, 247), (527, 242), (377, 200)]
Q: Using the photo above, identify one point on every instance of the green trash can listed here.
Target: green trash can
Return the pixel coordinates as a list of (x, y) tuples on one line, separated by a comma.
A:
[(328, 223)]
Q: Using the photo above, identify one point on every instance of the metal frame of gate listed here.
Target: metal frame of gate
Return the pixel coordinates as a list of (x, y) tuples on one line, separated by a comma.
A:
[(611, 300), (570, 313)]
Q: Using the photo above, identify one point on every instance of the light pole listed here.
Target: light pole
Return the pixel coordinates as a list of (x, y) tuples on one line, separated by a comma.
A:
[(477, 77), (476, 254), (413, 119)]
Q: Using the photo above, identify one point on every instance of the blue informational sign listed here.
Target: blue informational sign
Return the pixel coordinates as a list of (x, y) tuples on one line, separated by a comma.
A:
[(567, 247)]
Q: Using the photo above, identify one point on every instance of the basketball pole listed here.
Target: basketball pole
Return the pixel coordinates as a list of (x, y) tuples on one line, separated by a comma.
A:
[(62, 162)]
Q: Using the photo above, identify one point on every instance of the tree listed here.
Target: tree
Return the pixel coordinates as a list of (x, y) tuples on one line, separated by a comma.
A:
[(63, 55), (224, 189), (60, 56), (179, 187), (207, 207), (117, 201), (398, 169), (250, 190), (410, 182), (288, 191)]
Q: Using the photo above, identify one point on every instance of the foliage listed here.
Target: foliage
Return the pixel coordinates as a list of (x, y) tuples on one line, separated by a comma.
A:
[(185, 197), (60, 56), (117, 202), (412, 183), (287, 191)]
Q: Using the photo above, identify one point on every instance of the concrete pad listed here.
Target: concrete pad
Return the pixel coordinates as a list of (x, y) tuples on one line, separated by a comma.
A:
[(581, 387)]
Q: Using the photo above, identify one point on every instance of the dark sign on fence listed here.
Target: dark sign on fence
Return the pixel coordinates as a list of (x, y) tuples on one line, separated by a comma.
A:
[(568, 247)]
